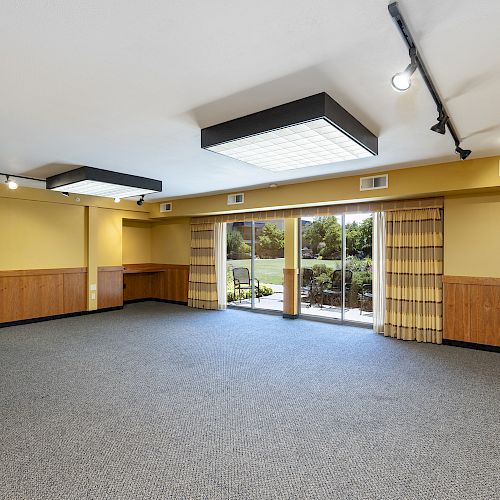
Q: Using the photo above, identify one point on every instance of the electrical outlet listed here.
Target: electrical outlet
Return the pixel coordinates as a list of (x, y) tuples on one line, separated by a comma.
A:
[(92, 296), (93, 287)]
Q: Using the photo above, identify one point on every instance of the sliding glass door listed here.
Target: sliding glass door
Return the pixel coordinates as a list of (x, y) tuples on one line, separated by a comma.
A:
[(336, 267), (255, 260)]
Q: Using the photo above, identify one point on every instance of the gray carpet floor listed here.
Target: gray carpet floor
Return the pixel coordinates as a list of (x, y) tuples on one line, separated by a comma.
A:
[(160, 401)]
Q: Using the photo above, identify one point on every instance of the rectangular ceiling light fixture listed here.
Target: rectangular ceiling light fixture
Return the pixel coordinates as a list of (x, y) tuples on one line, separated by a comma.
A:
[(97, 182), (311, 131)]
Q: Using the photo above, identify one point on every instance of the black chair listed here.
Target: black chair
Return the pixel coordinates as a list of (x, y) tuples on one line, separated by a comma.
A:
[(365, 297), (335, 291), (241, 281)]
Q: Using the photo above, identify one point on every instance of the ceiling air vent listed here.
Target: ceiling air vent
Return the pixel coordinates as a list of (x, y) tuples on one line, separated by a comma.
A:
[(374, 182), (166, 207), (235, 199)]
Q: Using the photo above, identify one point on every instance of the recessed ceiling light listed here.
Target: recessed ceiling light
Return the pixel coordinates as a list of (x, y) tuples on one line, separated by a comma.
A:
[(311, 131), (97, 182)]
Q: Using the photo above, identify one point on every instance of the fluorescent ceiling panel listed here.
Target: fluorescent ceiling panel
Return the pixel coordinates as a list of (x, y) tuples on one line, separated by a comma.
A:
[(97, 182), (304, 133)]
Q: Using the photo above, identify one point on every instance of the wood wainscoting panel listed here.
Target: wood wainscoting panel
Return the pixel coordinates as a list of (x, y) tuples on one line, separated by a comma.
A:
[(38, 293), (176, 282), (42, 295), (11, 299), (485, 314), (472, 309), (456, 314), (290, 305), (75, 292), (109, 287)]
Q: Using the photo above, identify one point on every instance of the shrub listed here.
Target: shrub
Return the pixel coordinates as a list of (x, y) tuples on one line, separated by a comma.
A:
[(233, 296)]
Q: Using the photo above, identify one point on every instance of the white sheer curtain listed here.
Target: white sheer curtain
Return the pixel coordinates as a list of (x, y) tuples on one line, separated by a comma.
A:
[(379, 242), (220, 263)]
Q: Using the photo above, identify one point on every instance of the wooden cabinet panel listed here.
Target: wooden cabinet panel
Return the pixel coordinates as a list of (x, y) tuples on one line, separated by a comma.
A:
[(472, 309), (109, 287)]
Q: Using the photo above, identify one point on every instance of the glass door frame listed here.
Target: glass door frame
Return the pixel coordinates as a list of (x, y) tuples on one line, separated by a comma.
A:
[(252, 307), (311, 317)]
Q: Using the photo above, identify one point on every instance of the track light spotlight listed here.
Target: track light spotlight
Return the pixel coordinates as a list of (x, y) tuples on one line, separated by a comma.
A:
[(440, 126), (141, 201), (463, 153), (65, 194), (11, 184), (402, 81), (117, 200)]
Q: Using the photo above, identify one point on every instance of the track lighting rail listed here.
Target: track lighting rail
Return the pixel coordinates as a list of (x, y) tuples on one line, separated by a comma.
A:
[(443, 114)]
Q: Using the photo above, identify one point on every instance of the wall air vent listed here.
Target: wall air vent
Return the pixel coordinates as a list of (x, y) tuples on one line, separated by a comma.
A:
[(235, 199), (166, 207), (374, 182)]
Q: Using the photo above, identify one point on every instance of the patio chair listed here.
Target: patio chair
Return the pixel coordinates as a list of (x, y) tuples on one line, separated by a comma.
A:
[(365, 297), (241, 281), (335, 291)]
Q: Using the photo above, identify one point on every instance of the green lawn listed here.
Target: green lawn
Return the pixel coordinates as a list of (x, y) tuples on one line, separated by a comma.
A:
[(270, 271)]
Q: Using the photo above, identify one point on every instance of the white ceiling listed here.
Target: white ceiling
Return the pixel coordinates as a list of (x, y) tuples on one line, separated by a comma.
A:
[(126, 85)]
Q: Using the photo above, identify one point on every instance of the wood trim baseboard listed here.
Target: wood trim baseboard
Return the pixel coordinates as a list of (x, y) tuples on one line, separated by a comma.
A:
[(56, 316), (471, 345), (42, 272), (472, 280), (153, 299)]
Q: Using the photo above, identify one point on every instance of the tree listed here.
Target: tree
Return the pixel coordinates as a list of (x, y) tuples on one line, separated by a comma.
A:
[(359, 237), (314, 234), (235, 243), (324, 236), (333, 239), (270, 242)]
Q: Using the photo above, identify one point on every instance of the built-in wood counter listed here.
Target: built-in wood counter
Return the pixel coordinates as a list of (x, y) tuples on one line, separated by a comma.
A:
[(155, 281)]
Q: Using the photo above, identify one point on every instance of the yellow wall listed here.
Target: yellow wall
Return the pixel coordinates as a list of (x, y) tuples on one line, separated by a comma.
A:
[(456, 177), (136, 244), (171, 242), (38, 235), (472, 235)]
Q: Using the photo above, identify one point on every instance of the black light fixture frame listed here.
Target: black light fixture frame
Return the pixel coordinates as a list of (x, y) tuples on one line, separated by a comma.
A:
[(15, 176), (292, 113), (107, 176), (408, 38)]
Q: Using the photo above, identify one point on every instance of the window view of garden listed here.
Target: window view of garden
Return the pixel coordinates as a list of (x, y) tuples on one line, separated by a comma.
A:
[(322, 293), (321, 290), (268, 264)]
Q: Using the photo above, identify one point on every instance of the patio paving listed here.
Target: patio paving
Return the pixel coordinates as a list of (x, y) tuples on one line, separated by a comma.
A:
[(274, 302)]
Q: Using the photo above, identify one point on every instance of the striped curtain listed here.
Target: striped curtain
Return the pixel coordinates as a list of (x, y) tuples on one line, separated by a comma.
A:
[(414, 268), (202, 292)]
